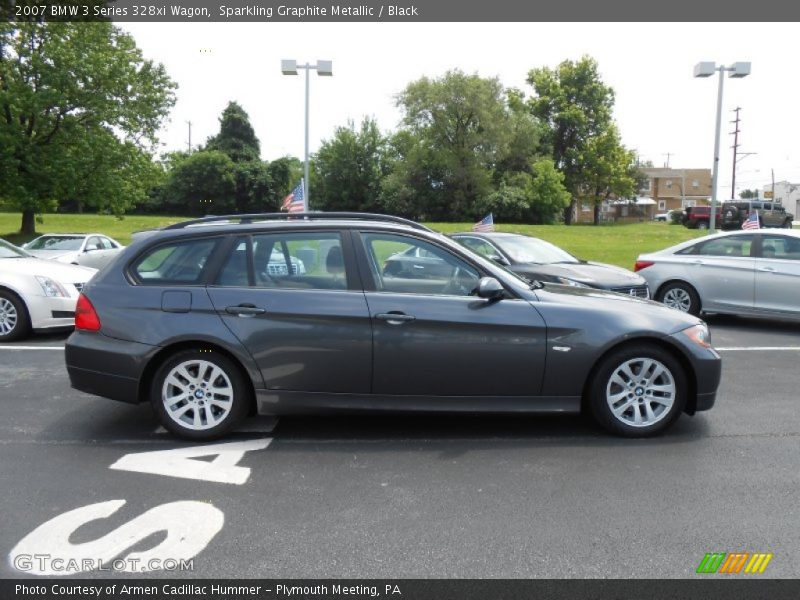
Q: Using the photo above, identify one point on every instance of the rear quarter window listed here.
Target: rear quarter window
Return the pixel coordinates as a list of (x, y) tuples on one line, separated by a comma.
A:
[(180, 262)]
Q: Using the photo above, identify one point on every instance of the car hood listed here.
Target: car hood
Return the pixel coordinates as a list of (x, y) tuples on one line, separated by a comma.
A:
[(656, 314), (47, 268), (590, 273), (54, 254)]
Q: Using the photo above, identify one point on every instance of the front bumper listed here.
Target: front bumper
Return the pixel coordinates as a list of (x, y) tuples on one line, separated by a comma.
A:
[(47, 312), (105, 366)]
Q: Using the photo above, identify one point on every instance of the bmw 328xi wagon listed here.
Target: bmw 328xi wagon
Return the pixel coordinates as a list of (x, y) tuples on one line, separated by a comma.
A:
[(213, 319)]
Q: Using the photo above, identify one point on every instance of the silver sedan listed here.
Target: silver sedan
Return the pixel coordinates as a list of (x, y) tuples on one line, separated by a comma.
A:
[(740, 272)]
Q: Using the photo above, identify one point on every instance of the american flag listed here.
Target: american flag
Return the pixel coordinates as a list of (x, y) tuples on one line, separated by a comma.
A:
[(295, 202), (485, 224), (752, 221)]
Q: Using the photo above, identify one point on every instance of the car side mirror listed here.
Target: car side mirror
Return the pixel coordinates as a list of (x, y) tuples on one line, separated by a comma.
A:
[(499, 260), (490, 289)]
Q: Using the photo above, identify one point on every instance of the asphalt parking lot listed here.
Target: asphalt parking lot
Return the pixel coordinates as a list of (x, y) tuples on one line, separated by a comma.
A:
[(400, 496)]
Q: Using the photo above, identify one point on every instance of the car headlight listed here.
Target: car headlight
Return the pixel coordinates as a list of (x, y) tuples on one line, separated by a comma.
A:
[(571, 282), (51, 288), (699, 335)]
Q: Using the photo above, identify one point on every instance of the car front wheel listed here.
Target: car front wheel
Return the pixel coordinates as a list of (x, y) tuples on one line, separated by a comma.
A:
[(680, 296), (199, 394), (638, 391), (14, 321)]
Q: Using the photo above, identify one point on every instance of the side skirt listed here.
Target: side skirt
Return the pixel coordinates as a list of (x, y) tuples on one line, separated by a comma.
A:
[(273, 402)]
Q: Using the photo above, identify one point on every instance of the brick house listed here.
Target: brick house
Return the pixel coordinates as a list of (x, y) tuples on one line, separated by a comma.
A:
[(675, 189)]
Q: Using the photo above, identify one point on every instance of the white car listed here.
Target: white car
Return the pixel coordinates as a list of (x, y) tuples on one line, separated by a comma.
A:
[(665, 216), (747, 273), (36, 293), (86, 249)]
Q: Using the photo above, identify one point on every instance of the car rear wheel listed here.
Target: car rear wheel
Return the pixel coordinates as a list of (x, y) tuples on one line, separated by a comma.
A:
[(199, 395), (638, 391), (14, 320), (702, 225), (680, 296)]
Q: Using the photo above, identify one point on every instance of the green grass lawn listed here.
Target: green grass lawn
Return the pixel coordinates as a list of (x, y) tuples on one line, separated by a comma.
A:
[(615, 244)]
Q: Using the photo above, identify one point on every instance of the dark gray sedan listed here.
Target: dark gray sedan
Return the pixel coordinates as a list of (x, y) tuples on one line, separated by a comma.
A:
[(192, 320), (539, 260)]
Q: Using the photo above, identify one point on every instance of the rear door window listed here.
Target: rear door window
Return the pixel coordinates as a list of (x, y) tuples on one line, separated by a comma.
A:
[(729, 246), (311, 260)]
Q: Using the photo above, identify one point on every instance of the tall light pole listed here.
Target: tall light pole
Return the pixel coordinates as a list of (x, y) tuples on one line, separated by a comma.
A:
[(707, 69), (323, 68)]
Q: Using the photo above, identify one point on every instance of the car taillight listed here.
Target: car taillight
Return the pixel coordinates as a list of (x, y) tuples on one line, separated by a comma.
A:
[(642, 264), (85, 315)]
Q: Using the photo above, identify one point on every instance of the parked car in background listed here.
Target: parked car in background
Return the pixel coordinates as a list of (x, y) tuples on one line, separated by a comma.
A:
[(36, 293), (751, 272), (538, 260), (192, 320), (86, 249), (665, 216), (731, 215)]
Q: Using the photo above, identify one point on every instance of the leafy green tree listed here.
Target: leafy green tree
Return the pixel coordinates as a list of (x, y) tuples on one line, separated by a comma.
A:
[(202, 183), (748, 194), (547, 193), (460, 129), (79, 112), (236, 136), (574, 105), (608, 169), (349, 169)]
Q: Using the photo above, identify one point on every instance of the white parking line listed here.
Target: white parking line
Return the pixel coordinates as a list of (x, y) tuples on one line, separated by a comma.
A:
[(31, 347), (757, 348)]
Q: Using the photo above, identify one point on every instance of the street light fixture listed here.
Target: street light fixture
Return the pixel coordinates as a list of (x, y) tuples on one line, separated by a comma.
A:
[(707, 69), (323, 68)]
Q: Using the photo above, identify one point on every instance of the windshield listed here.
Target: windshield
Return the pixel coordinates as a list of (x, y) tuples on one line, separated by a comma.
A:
[(60, 242), (10, 251), (532, 250)]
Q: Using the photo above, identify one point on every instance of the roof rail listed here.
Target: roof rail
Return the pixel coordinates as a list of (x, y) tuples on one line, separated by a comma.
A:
[(308, 216)]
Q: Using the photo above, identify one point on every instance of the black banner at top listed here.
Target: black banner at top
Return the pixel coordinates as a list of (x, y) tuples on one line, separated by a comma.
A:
[(204, 11)]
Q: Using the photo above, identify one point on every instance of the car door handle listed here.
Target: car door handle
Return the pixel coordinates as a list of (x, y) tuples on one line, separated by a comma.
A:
[(767, 269), (245, 310), (395, 318)]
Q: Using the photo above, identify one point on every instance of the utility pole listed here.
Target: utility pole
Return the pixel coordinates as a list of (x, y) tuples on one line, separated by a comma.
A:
[(735, 134), (189, 123), (667, 154)]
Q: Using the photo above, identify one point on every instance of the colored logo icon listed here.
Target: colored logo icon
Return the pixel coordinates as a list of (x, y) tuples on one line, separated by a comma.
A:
[(734, 562)]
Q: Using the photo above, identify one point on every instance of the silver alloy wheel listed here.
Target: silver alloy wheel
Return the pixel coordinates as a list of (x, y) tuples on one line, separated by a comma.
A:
[(678, 298), (640, 392), (8, 316), (197, 394)]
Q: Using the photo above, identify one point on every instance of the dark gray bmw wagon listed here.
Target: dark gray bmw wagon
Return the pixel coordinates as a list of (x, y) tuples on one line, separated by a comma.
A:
[(212, 319)]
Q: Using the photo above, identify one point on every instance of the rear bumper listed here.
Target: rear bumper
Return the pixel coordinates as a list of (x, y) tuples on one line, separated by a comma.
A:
[(106, 366)]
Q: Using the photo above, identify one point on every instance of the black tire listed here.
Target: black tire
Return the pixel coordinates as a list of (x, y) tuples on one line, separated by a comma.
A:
[(680, 296), (606, 390), (203, 405), (15, 322), (702, 224), (787, 224)]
